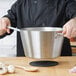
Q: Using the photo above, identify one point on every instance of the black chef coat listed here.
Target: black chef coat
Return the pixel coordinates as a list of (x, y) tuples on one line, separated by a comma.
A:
[(42, 13)]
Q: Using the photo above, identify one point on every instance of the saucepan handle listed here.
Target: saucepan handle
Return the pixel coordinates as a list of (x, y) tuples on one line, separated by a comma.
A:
[(58, 34), (15, 29)]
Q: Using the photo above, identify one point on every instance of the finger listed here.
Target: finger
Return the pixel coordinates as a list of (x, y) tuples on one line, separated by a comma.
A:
[(68, 31), (8, 30), (73, 34), (4, 25), (0, 24), (64, 30)]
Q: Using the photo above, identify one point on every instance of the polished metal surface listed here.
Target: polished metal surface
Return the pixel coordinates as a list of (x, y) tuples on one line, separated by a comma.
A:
[(42, 42)]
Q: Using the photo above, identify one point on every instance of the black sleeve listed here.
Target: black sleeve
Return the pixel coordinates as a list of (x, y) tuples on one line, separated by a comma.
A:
[(70, 8), (12, 15)]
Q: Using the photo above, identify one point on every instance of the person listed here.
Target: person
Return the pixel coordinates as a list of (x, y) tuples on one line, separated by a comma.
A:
[(41, 13)]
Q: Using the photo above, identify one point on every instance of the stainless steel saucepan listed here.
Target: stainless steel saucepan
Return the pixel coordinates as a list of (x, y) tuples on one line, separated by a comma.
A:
[(41, 42)]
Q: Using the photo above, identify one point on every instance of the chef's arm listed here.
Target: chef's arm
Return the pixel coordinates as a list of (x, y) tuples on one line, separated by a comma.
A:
[(12, 14), (8, 20)]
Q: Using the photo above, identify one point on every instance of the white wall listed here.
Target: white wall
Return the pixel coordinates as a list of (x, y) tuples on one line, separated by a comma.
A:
[(7, 44)]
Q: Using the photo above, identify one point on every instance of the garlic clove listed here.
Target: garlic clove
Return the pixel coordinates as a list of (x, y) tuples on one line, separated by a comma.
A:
[(3, 70), (1, 64), (11, 69)]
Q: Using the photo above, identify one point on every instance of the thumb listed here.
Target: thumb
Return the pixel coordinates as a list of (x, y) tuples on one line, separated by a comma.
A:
[(8, 30), (64, 30)]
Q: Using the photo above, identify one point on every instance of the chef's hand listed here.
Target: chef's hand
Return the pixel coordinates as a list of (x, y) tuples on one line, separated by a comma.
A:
[(4, 22), (69, 29)]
